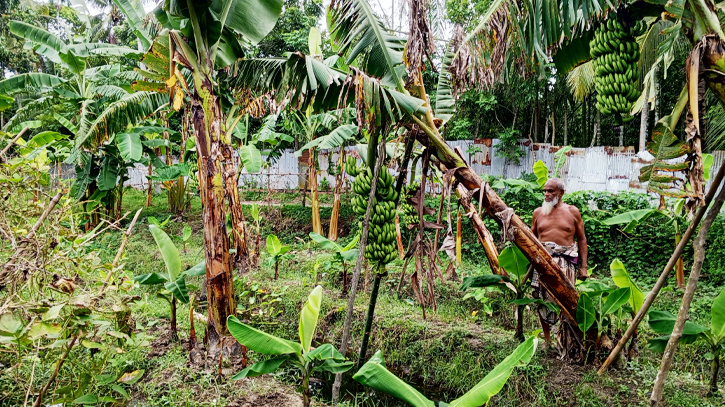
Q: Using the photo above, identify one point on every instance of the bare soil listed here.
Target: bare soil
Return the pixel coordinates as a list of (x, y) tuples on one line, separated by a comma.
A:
[(263, 391), (274, 399)]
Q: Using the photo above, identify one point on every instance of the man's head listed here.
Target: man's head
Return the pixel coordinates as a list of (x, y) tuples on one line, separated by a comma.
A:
[(553, 191)]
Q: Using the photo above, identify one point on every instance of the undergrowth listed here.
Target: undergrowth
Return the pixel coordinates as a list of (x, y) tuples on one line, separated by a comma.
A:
[(443, 355)]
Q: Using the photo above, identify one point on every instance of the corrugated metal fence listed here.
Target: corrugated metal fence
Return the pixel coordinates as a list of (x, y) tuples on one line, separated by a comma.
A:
[(612, 169)]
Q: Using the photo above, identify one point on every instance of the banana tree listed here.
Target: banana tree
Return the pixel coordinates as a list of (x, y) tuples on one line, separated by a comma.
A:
[(174, 280), (302, 356), (375, 374), (205, 38), (88, 88), (595, 305), (515, 264), (308, 124), (257, 248), (341, 135), (93, 104), (277, 252), (351, 21), (343, 255)]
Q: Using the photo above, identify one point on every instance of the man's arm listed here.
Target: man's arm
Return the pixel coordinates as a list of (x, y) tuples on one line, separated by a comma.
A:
[(533, 222), (581, 240)]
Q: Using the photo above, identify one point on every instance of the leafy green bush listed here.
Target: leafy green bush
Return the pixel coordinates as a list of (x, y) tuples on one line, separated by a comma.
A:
[(714, 266), (646, 250)]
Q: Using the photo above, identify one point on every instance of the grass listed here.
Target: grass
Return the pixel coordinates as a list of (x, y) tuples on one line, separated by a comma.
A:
[(443, 355)]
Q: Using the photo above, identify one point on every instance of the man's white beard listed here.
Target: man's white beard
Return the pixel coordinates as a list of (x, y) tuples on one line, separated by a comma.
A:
[(547, 207)]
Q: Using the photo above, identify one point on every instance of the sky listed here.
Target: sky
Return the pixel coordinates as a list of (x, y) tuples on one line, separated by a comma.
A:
[(384, 9)]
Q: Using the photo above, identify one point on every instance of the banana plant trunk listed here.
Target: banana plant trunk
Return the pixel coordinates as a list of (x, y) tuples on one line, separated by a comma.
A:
[(484, 236), (369, 319), (312, 182), (714, 66), (562, 291), (714, 369), (240, 257), (335, 217), (206, 116), (174, 331), (150, 188)]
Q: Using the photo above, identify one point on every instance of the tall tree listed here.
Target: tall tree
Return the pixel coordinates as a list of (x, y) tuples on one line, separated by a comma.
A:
[(213, 38)]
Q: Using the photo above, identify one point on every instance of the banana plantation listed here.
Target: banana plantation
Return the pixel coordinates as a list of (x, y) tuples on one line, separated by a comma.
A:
[(390, 270)]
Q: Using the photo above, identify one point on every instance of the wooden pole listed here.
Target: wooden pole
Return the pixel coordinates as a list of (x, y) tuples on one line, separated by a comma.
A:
[(356, 271), (682, 315), (11, 143), (120, 250), (666, 272)]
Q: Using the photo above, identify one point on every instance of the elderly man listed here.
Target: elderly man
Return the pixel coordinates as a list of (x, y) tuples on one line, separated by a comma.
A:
[(556, 225)]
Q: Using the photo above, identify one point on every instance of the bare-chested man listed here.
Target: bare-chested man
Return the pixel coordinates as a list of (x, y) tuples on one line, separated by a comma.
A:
[(556, 225)]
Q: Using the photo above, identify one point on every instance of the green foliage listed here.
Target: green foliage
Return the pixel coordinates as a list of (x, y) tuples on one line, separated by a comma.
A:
[(342, 254), (277, 251), (596, 306), (81, 329), (631, 218), (251, 158), (508, 146), (292, 30), (301, 356), (458, 129), (623, 280), (663, 323), (661, 174), (542, 173), (560, 160), (643, 248), (374, 374), (174, 280), (514, 262)]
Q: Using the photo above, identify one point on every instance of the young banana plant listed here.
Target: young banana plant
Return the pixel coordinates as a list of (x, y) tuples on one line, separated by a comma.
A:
[(301, 356), (374, 374), (342, 254), (174, 280), (516, 265), (277, 252)]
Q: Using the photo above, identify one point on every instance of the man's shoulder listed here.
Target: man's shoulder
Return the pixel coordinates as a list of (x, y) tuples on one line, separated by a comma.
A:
[(572, 209)]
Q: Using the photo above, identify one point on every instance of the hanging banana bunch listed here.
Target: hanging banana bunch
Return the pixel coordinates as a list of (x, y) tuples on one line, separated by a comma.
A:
[(615, 53), (380, 249)]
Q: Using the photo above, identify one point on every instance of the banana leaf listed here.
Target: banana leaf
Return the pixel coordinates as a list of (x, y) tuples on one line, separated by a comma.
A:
[(260, 341), (308, 318)]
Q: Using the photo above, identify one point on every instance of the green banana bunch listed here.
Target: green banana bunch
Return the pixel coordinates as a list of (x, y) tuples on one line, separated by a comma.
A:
[(615, 53), (410, 213), (381, 248), (351, 167)]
